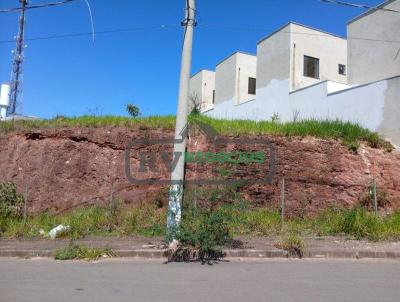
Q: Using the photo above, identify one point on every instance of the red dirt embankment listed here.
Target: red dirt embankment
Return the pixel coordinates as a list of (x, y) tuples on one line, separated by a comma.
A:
[(61, 169)]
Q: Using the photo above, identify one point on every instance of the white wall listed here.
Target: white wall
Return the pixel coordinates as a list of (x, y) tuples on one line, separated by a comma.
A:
[(232, 78), (273, 58), (281, 56), (373, 106), (329, 49), (246, 68), (371, 60), (225, 80), (202, 86)]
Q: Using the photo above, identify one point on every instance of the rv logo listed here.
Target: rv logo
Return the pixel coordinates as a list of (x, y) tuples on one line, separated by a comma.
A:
[(146, 170)]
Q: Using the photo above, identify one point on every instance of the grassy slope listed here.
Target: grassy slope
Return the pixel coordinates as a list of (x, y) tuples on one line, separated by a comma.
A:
[(89, 121), (350, 134)]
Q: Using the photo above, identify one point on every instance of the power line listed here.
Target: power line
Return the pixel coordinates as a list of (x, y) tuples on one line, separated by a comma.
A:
[(370, 8), (166, 26), (17, 9), (104, 32), (364, 6), (294, 32)]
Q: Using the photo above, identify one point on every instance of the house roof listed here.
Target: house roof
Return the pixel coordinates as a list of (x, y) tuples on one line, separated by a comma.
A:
[(298, 24), (370, 11), (236, 52)]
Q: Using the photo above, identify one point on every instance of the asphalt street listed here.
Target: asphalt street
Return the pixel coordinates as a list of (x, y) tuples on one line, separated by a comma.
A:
[(45, 280)]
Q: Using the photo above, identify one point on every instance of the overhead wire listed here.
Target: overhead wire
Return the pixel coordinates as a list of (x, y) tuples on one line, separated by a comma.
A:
[(165, 26), (210, 26), (343, 3), (104, 32), (214, 26), (16, 9), (370, 8)]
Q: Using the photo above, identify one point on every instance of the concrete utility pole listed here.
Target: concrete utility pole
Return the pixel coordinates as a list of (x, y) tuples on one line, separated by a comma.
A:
[(18, 60), (178, 173)]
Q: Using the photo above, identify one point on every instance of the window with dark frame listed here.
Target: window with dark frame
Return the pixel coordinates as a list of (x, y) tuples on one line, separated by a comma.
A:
[(252, 86), (213, 98), (311, 67), (342, 69)]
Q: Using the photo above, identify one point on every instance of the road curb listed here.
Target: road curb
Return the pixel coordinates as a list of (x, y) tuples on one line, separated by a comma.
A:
[(229, 253)]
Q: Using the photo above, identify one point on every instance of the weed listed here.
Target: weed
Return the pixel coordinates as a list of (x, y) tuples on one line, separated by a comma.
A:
[(353, 146), (80, 252), (275, 117), (361, 224), (201, 235), (11, 202), (368, 200), (293, 245)]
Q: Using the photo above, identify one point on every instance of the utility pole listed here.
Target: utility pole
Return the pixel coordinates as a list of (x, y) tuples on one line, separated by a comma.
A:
[(16, 79), (178, 173)]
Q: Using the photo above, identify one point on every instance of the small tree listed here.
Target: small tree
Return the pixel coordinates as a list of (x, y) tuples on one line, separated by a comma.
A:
[(194, 104), (133, 110)]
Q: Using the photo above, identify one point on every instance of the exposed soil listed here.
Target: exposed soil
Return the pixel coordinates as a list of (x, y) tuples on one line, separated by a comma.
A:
[(61, 169)]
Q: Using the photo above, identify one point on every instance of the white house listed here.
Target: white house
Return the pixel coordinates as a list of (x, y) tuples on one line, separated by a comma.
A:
[(202, 89), (235, 79), (305, 73), (302, 55)]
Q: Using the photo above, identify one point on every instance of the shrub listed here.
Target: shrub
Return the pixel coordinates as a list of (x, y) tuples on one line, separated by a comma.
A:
[(367, 201), (353, 146), (293, 245), (11, 202), (133, 110), (201, 236)]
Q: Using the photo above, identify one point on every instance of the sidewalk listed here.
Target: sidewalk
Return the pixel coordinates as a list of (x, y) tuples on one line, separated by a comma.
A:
[(326, 247)]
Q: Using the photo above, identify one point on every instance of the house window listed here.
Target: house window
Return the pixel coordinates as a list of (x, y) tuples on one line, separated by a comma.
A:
[(213, 99), (311, 67), (252, 86), (342, 69)]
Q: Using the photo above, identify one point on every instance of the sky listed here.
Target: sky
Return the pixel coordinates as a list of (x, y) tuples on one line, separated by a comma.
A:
[(74, 76)]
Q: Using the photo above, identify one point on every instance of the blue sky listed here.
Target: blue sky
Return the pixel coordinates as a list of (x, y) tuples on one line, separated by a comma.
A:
[(73, 76)]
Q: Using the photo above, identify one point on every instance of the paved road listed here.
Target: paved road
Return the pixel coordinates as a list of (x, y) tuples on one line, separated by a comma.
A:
[(128, 280)]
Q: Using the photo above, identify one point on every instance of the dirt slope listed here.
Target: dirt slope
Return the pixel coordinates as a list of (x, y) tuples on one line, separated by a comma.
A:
[(66, 168)]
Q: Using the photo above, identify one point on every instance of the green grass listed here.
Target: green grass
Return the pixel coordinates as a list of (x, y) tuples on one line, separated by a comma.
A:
[(241, 218), (147, 220), (90, 121), (349, 133), (81, 252), (357, 223)]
